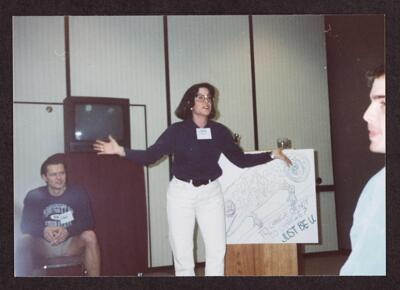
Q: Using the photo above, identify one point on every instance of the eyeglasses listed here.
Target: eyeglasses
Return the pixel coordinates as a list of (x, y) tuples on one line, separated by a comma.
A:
[(202, 98)]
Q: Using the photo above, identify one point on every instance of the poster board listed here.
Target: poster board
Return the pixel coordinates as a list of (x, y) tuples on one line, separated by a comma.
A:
[(271, 203)]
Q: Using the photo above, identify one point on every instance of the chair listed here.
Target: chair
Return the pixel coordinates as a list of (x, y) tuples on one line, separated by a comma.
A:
[(61, 266)]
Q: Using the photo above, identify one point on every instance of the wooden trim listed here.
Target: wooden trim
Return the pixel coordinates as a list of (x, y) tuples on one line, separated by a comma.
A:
[(67, 57), (253, 83), (56, 103), (37, 103), (323, 188), (167, 79), (167, 83), (327, 253)]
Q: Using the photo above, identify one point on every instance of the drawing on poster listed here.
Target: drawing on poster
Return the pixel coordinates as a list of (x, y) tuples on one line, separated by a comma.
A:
[(272, 203)]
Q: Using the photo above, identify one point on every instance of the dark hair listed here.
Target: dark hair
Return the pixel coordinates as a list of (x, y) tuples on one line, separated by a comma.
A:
[(52, 160), (183, 111), (376, 73)]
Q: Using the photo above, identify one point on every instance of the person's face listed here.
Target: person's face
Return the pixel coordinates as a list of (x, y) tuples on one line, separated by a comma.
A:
[(375, 116), (55, 177), (202, 103)]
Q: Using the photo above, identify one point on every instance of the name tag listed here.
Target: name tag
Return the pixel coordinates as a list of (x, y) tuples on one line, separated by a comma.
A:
[(63, 217), (203, 133)]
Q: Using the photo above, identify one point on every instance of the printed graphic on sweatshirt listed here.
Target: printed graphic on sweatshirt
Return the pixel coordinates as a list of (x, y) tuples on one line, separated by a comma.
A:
[(58, 215)]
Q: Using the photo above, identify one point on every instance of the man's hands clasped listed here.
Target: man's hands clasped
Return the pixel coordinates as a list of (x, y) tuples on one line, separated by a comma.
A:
[(55, 235)]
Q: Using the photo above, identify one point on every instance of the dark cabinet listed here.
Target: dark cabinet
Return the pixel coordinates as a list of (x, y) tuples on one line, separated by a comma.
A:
[(117, 193)]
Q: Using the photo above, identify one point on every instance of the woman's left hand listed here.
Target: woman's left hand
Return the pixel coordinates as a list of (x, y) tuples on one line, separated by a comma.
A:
[(278, 154)]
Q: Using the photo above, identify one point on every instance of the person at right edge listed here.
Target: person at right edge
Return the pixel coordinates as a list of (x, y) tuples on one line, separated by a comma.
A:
[(194, 192), (368, 232)]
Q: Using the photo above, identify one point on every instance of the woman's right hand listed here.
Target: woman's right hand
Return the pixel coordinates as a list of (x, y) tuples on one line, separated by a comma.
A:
[(111, 147)]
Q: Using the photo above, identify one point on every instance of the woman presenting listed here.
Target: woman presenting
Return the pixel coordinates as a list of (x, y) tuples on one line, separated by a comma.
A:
[(194, 192)]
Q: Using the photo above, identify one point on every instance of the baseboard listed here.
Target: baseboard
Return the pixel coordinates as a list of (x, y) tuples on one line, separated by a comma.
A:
[(327, 253)]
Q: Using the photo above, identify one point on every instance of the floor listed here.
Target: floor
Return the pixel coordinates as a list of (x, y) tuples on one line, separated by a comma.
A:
[(319, 264)]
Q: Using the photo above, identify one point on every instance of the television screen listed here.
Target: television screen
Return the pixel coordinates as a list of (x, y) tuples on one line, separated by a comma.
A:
[(97, 121), (87, 119)]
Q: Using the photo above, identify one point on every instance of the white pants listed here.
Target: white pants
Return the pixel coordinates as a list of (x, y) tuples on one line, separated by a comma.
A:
[(185, 204)]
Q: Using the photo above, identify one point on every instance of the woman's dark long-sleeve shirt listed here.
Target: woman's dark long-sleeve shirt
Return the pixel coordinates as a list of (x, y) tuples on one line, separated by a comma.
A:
[(193, 158)]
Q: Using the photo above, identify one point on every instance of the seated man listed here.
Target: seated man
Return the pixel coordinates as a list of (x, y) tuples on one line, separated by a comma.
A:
[(58, 219)]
